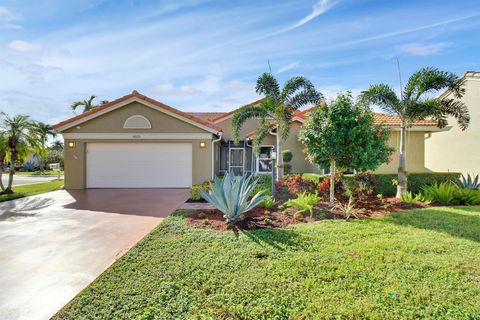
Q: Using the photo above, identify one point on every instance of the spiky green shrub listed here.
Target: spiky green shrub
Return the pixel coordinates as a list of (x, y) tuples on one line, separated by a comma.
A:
[(469, 182), (441, 193), (303, 202), (267, 203), (264, 183), (347, 209), (467, 196), (408, 198), (232, 196)]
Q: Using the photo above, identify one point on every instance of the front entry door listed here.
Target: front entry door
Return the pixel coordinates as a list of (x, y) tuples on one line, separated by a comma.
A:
[(236, 161)]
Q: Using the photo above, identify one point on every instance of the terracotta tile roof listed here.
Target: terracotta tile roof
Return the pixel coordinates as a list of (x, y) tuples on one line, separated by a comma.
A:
[(392, 120), (135, 94), (207, 116), (384, 119)]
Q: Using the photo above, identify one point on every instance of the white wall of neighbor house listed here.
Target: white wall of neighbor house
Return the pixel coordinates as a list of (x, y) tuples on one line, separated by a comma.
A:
[(457, 150)]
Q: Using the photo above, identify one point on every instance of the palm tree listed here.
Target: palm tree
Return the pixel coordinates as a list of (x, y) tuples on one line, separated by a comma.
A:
[(56, 145), (3, 155), (415, 102), (87, 104), (20, 140), (276, 111), (43, 131)]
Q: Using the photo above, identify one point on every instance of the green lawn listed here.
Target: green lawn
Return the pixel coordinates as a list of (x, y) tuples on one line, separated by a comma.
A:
[(39, 173), (416, 264), (32, 189)]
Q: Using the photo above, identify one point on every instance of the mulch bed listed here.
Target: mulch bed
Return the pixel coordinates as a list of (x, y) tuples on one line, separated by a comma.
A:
[(259, 218)]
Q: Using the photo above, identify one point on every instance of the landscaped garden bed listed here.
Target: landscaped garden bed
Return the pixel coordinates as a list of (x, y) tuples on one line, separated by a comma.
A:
[(276, 217), (416, 264), (354, 199)]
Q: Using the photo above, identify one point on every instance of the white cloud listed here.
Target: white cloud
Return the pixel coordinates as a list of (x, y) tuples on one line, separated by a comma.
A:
[(288, 67), (170, 90), (321, 7), (318, 9), (7, 15), (418, 49), (240, 85), (24, 46)]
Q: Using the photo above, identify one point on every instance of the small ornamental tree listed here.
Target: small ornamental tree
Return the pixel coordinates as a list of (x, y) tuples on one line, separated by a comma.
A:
[(344, 135)]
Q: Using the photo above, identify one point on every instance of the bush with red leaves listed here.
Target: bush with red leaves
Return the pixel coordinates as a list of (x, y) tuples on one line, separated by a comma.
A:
[(292, 184)]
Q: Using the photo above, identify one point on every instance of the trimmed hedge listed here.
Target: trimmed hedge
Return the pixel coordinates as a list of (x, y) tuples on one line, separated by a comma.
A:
[(416, 180)]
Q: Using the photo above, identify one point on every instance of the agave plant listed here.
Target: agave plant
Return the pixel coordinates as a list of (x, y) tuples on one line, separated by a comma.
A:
[(469, 183), (231, 195)]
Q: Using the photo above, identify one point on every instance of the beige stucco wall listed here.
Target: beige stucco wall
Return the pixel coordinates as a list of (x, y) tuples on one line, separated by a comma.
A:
[(112, 122), (299, 164), (456, 150), (415, 152), (249, 126)]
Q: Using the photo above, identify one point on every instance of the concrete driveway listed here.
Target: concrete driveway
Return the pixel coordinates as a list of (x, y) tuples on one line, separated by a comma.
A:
[(53, 245), (28, 179)]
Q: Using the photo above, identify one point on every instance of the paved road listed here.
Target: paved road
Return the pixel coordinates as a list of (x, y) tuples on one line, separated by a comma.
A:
[(24, 179), (53, 245)]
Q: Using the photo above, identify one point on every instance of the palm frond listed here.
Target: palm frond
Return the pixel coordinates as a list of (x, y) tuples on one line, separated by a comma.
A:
[(308, 96), (383, 96), (262, 131), (458, 110), (428, 80), (77, 104), (267, 85), (284, 114), (244, 114)]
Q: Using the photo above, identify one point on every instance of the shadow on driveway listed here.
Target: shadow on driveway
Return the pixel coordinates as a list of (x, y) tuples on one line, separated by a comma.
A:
[(23, 207)]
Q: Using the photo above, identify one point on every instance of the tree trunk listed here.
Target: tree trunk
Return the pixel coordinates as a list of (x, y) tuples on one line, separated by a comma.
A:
[(332, 182), (11, 172), (2, 187), (279, 155), (402, 172)]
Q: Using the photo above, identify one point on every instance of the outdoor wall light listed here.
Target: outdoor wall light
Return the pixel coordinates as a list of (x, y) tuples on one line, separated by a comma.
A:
[(202, 144), (72, 144)]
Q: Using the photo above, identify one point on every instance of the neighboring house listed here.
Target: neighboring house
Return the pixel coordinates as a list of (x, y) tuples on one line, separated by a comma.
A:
[(457, 150), (138, 142)]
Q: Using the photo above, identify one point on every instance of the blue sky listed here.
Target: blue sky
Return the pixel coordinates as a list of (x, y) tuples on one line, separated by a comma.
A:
[(199, 55)]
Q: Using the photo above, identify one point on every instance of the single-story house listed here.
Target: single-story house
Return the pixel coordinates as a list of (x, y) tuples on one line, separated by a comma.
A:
[(138, 142), (456, 150)]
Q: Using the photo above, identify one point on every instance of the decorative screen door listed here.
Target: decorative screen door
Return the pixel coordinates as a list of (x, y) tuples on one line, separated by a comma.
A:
[(236, 161)]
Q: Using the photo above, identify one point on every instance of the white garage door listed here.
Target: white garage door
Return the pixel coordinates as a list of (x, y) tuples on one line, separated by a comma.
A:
[(139, 165)]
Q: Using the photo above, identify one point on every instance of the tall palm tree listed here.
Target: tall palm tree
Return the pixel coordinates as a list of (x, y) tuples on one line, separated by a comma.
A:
[(415, 102), (43, 131), (276, 111), (87, 104), (3, 155), (20, 140)]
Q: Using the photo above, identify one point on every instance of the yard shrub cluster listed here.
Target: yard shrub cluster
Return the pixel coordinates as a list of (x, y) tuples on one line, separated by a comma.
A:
[(195, 190), (450, 193), (293, 184), (384, 182), (264, 183)]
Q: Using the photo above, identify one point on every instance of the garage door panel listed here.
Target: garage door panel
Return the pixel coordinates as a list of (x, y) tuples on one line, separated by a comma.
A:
[(139, 165)]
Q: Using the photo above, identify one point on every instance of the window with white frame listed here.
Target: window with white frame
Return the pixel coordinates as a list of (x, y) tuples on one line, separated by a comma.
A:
[(265, 160)]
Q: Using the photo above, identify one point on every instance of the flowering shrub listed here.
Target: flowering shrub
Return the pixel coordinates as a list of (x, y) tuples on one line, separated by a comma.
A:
[(293, 184)]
